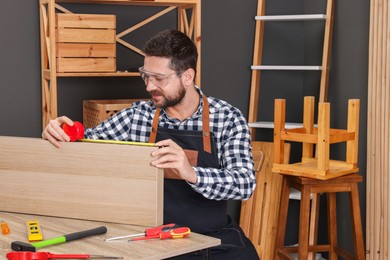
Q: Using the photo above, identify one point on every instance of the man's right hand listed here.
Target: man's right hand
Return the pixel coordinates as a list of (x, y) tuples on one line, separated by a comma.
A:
[(53, 131)]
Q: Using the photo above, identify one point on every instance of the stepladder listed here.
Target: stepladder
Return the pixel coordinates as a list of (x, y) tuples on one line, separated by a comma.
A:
[(261, 56)]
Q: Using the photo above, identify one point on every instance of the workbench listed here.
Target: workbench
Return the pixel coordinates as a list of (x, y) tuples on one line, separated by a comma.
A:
[(52, 227)]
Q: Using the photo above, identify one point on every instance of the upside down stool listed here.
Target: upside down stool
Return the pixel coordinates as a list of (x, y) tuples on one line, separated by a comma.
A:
[(316, 173)]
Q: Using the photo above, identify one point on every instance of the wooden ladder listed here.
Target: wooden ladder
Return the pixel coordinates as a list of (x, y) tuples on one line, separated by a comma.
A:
[(261, 17), (257, 66)]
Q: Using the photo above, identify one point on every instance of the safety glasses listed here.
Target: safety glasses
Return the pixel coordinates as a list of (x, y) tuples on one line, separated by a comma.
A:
[(159, 80)]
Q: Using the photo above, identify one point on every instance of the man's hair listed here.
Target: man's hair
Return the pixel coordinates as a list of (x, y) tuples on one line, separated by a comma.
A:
[(174, 45)]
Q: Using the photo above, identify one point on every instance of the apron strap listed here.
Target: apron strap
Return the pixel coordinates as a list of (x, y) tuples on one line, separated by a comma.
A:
[(205, 126), (153, 133)]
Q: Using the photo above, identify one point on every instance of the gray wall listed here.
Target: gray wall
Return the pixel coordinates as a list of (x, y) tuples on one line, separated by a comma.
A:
[(227, 46)]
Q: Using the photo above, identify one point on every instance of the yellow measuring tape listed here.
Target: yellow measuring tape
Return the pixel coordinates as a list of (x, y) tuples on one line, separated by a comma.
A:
[(117, 142)]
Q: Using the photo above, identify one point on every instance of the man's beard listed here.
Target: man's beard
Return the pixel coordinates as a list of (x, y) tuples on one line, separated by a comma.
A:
[(169, 101)]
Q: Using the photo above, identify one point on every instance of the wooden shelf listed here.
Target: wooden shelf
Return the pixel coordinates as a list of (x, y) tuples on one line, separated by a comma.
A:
[(189, 22)]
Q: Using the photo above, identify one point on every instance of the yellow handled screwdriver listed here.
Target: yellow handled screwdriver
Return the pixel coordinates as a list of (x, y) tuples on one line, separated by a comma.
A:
[(174, 233), (148, 232)]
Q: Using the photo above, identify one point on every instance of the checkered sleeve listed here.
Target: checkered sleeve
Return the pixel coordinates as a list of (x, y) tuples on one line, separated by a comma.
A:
[(131, 124), (236, 177)]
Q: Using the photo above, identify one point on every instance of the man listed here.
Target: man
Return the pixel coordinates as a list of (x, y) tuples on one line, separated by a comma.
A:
[(204, 144)]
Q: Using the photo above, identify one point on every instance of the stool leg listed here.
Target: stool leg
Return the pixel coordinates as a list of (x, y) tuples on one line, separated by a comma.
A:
[(314, 216), (283, 211), (304, 217), (356, 222), (332, 224)]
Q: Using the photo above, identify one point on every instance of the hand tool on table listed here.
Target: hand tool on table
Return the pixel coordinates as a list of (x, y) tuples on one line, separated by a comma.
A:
[(148, 232), (21, 246), (4, 227), (34, 231), (46, 255), (75, 132), (179, 232)]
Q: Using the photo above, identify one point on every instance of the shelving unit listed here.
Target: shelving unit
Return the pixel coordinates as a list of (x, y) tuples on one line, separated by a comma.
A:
[(189, 21)]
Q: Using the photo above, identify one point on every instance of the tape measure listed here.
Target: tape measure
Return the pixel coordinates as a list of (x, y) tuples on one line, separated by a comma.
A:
[(34, 231)]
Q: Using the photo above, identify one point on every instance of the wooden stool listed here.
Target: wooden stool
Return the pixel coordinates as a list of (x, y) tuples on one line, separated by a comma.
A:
[(316, 165), (345, 183)]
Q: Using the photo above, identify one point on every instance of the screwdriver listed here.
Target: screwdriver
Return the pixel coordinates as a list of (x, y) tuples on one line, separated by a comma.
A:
[(4, 227), (148, 232), (173, 233)]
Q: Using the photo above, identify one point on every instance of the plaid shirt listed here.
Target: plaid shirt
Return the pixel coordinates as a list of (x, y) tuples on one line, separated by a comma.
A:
[(236, 177)]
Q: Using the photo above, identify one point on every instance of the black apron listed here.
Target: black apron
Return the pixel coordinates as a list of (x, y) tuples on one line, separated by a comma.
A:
[(184, 206)]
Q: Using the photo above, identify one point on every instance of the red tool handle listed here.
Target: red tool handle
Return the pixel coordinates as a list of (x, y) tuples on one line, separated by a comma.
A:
[(25, 255), (174, 233), (155, 231)]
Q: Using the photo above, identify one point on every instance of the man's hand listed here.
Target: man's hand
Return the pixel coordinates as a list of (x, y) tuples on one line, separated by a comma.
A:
[(53, 131), (172, 156)]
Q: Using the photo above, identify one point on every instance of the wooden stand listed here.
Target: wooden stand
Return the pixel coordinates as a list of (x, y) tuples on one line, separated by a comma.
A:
[(319, 167), (189, 16)]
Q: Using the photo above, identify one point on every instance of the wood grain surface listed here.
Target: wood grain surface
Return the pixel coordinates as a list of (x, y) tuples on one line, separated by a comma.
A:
[(53, 227), (105, 182)]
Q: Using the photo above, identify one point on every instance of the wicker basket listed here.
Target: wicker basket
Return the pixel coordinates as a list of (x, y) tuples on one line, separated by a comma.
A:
[(96, 111)]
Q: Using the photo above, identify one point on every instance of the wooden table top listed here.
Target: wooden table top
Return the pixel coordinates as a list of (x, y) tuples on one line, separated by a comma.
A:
[(53, 227)]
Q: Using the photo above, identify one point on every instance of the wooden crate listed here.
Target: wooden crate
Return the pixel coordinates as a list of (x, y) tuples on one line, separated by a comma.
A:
[(85, 43), (96, 111)]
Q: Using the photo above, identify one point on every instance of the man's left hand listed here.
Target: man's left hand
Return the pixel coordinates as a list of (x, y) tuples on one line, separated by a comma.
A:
[(172, 156)]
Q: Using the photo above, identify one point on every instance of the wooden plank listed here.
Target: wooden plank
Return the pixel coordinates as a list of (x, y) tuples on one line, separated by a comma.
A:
[(259, 214), (326, 53), (323, 145), (248, 205), (353, 126), (104, 182), (86, 64), (299, 137), (280, 121), (257, 59), (86, 50), (308, 124), (85, 21), (370, 231), (311, 170), (85, 35)]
